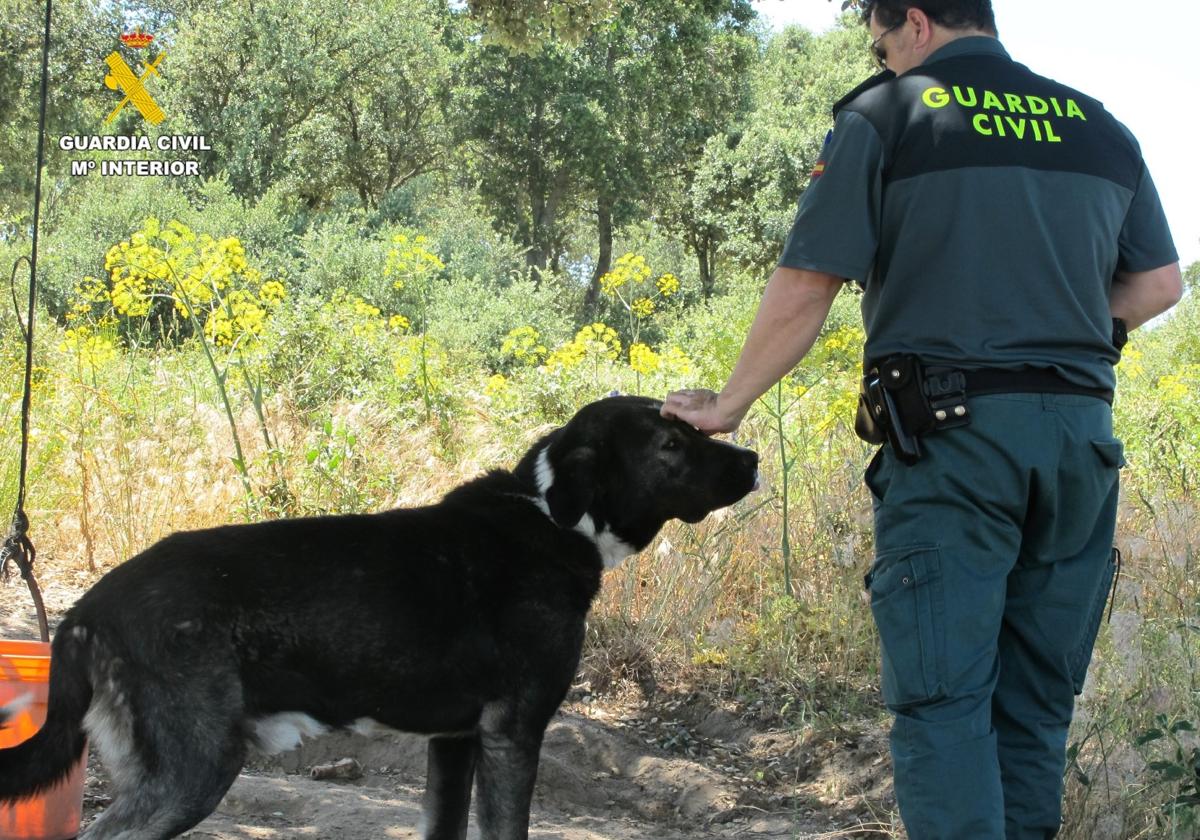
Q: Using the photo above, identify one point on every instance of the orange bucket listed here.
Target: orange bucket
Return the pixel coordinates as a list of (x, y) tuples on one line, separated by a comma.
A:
[(55, 814)]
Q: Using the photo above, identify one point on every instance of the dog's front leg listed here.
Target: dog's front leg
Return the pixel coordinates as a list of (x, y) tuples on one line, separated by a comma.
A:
[(450, 769), (508, 765)]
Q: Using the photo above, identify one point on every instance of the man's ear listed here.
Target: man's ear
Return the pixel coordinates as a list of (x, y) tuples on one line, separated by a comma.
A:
[(574, 486)]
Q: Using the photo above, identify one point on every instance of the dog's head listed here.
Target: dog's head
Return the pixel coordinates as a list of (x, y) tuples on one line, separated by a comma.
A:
[(619, 470)]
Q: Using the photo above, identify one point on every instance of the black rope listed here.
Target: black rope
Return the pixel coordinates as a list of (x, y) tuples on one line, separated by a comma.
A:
[(12, 290), (17, 545)]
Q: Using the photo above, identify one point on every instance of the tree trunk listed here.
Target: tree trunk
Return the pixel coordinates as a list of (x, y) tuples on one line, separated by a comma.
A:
[(704, 255), (538, 253), (604, 230)]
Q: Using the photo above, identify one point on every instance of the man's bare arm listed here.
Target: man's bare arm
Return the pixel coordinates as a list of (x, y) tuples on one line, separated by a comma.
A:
[(1138, 296), (794, 306)]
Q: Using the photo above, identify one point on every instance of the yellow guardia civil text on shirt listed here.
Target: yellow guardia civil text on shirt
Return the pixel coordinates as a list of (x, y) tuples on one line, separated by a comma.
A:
[(1019, 115)]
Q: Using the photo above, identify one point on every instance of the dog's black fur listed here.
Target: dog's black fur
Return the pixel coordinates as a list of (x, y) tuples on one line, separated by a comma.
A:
[(462, 620)]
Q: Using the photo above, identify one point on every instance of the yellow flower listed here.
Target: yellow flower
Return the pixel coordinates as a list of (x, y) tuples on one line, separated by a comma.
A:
[(599, 338), (411, 260), (610, 282), (668, 285), (566, 357), (1172, 387), (500, 392), (92, 350), (677, 363), (92, 289), (272, 292), (129, 296), (236, 318), (642, 359), (643, 307), (1131, 362), (524, 343), (845, 338), (399, 323), (629, 269), (362, 308)]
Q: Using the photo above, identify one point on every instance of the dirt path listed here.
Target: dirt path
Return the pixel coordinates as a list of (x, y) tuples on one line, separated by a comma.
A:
[(675, 766), (638, 797)]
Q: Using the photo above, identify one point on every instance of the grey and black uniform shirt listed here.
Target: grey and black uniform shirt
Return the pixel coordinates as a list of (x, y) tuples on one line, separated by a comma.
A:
[(984, 209)]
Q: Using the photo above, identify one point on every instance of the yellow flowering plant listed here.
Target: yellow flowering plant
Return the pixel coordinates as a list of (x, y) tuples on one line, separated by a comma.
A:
[(595, 344), (500, 393), (206, 282), (525, 345), (414, 267), (629, 283)]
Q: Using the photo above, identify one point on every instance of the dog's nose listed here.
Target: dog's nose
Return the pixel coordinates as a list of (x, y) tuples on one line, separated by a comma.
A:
[(751, 460)]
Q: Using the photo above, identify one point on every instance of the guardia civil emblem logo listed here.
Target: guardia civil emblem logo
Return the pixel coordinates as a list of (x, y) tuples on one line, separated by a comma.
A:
[(122, 78)]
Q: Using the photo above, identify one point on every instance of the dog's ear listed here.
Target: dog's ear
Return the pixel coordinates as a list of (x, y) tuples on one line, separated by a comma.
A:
[(574, 486)]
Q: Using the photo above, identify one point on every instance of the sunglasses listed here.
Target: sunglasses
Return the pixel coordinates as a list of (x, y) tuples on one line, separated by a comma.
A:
[(879, 52)]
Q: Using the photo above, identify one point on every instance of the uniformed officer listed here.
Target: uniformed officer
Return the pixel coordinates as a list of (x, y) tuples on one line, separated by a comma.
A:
[(1005, 232)]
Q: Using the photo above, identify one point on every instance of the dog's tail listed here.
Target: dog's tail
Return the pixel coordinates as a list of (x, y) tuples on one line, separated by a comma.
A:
[(36, 765)]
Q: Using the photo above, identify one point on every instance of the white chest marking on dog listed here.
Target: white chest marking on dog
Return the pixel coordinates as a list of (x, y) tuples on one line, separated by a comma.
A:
[(542, 505), (543, 473), (284, 731), (611, 547)]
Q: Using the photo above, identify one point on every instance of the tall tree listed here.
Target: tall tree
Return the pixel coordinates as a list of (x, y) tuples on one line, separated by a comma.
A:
[(81, 35), (678, 74), (598, 125), (313, 97), (736, 204), (522, 119)]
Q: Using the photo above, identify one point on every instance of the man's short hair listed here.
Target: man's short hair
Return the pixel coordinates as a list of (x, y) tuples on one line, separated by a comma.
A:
[(952, 14)]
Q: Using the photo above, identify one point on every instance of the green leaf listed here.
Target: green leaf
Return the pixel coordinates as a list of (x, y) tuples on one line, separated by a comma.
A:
[(1148, 736), (1170, 772)]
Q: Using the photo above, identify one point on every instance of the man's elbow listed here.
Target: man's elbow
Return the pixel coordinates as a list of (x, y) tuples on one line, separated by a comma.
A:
[(814, 286), (1152, 292), (1177, 288), (1169, 286)]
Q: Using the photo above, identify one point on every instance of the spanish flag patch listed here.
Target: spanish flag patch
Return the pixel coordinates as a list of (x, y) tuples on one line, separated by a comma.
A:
[(818, 169)]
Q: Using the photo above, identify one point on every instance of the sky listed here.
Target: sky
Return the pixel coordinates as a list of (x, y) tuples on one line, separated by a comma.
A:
[(1139, 59)]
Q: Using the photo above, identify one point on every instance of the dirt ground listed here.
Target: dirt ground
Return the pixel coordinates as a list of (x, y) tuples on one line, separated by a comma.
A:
[(615, 766)]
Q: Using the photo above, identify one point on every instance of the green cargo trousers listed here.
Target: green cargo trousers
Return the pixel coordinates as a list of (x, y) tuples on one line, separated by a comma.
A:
[(993, 561)]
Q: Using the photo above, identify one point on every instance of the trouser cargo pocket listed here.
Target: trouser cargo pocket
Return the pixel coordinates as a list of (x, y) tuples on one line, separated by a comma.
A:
[(907, 601)]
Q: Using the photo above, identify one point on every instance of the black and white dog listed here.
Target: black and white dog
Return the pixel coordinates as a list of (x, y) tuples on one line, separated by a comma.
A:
[(462, 620)]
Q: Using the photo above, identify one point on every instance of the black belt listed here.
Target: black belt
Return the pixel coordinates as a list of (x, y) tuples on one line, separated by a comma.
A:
[(1031, 381)]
